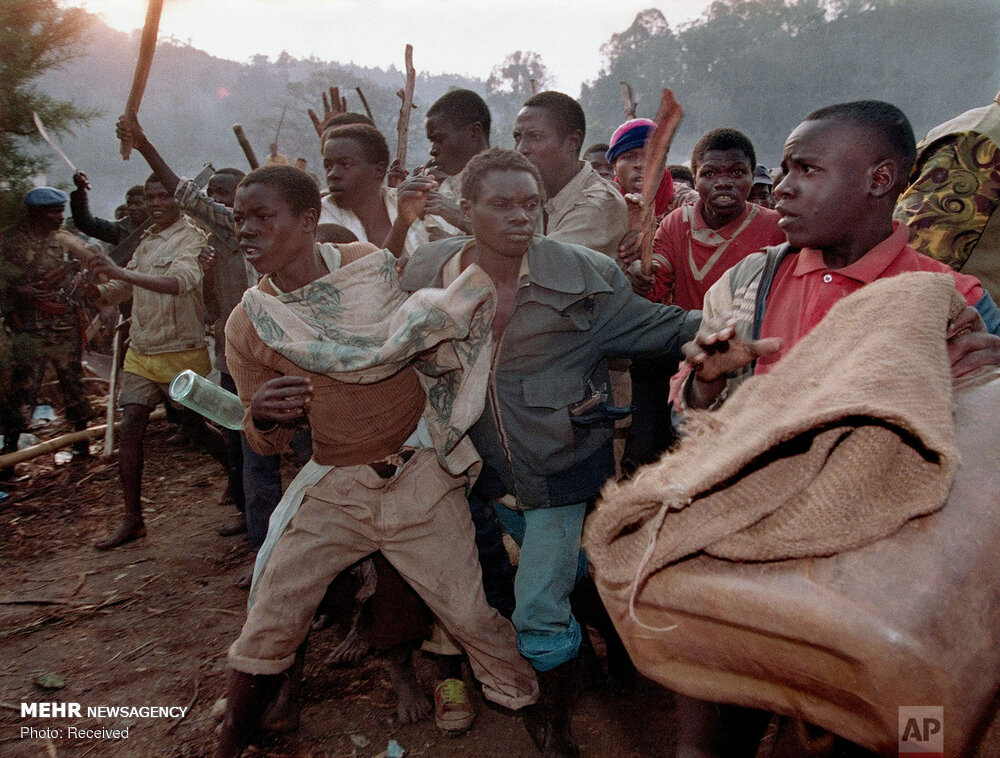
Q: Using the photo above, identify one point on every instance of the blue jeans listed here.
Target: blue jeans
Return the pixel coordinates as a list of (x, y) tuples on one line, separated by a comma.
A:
[(551, 562), (262, 484), (498, 574), (234, 449)]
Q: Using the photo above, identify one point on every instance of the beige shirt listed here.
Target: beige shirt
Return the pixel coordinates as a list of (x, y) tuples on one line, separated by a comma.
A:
[(333, 214), (163, 323), (589, 211)]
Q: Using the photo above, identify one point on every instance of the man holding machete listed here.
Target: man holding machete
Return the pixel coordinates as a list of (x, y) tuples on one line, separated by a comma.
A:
[(167, 336)]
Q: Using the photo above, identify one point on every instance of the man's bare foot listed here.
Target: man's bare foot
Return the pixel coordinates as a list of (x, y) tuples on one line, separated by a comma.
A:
[(283, 714), (127, 532), (237, 526), (353, 648), (413, 704)]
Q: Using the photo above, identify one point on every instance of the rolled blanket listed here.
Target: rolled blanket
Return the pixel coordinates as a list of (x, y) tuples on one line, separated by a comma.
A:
[(358, 326), (849, 437)]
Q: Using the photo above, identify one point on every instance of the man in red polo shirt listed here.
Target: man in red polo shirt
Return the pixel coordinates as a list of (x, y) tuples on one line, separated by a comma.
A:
[(696, 245), (844, 167)]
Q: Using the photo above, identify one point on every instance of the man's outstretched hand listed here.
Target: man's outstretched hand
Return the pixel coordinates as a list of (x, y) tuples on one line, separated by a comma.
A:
[(970, 346), (333, 105), (714, 352)]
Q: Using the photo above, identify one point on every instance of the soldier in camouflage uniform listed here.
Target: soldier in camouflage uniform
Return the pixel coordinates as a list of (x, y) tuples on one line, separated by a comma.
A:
[(42, 313)]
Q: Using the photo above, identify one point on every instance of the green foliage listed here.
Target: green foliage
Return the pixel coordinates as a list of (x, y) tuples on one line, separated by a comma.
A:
[(508, 86), (762, 65), (35, 36), (514, 76)]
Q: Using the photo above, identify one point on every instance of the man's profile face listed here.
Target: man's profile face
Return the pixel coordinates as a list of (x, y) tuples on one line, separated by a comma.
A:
[(269, 232), (823, 195), (537, 139), (161, 206), (135, 205), (349, 174), (506, 211), (723, 181), (222, 189), (628, 169), (451, 145)]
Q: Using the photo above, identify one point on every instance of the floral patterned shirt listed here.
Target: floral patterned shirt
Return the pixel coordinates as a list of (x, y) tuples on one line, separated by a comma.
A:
[(952, 195)]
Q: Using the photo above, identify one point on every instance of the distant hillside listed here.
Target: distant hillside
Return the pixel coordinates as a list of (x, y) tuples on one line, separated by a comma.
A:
[(755, 66), (193, 99)]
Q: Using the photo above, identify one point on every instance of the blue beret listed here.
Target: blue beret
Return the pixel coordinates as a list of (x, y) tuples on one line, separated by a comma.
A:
[(45, 197), (629, 136)]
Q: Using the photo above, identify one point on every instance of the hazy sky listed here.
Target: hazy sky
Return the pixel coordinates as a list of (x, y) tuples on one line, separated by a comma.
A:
[(455, 36)]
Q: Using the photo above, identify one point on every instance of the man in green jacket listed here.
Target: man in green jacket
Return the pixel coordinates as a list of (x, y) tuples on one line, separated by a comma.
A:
[(546, 434)]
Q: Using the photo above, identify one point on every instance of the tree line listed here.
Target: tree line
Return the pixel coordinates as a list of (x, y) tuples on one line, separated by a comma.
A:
[(756, 65), (762, 65)]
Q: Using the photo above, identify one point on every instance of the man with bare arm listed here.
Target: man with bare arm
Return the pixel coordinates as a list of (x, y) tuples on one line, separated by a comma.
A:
[(167, 336)]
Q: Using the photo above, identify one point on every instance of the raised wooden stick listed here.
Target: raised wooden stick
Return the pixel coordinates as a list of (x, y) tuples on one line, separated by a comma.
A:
[(364, 102), (241, 137), (406, 94), (281, 122), (667, 118), (147, 47), (629, 102)]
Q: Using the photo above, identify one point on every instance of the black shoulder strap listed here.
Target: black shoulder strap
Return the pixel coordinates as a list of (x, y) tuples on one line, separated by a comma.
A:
[(775, 255)]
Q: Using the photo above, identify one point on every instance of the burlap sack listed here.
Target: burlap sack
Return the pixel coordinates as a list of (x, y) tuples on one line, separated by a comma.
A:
[(842, 641), (846, 440)]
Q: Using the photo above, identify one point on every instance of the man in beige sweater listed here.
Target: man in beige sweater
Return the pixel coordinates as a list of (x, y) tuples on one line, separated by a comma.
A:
[(167, 336)]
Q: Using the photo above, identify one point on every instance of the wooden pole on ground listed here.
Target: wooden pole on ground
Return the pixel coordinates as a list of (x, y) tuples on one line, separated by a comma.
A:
[(64, 440)]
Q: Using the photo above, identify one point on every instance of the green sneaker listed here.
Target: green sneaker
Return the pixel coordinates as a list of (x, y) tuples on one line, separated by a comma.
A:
[(453, 713)]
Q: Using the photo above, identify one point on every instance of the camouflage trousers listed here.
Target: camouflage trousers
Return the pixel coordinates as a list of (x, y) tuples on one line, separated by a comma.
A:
[(31, 353)]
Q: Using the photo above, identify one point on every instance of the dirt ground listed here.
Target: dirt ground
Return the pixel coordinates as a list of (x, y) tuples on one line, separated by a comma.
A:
[(148, 624)]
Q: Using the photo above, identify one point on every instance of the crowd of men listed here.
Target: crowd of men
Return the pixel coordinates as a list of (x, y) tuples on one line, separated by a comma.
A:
[(436, 345)]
